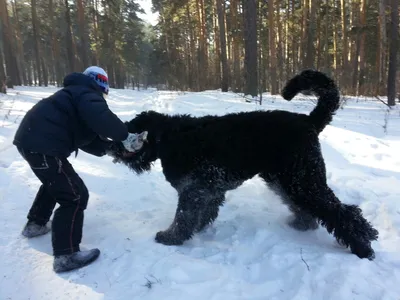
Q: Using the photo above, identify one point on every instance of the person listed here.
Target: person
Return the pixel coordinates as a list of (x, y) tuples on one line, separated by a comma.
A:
[(75, 117)]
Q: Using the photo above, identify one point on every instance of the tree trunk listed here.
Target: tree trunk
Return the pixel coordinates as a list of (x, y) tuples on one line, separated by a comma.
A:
[(8, 42), (310, 50), (362, 62), (191, 51), (326, 35), (304, 29), (272, 49), (345, 49), (250, 36), (280, 44), (55, 49), (3, 86), (355, 48), (236, 85), (381, 53), (393, 51), (69, 40), (35, 29), (217, 59), (84, 53), (95, 57), (222, 37), (20, 49)]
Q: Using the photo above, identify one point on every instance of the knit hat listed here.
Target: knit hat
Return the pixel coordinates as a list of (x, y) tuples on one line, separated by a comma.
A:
[(100, 76)]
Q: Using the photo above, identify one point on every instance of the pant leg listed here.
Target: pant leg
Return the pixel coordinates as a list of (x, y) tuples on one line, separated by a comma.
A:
[(44, 203), (42, 207), (63, 184), (68, 217)]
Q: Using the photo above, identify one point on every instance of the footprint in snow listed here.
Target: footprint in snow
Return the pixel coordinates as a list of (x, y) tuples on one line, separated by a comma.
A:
[(4, 164)]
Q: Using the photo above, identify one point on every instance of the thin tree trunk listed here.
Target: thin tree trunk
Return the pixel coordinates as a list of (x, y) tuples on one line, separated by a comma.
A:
[(8, 41), (84, 39), (326, 35), (250, 19), (345, 49), (217, 49), (310, 50), (20, 49), (35, 29), (381, 53), (280, 43), (69, 39), (191, 48), (55, 50), (3, 78), (362, 62), (235, 47), (95, 57), (222, 37), (304, 29), (272, 49), (393, 51)]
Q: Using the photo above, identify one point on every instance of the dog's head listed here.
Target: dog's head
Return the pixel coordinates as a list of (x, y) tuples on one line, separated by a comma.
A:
[(141, 161)]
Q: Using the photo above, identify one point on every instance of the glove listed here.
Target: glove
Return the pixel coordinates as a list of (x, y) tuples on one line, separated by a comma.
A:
[(134, 142)]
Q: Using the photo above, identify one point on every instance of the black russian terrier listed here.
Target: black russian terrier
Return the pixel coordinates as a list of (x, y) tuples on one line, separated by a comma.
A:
[(204, 157)]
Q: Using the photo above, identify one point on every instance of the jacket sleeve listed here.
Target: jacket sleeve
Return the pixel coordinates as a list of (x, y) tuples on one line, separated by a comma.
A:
[(97, 147), (94, 110)]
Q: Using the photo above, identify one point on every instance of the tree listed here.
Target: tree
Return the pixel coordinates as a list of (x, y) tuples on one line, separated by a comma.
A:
[(224, 62), (394, 46), (272, 49), (250, 38)]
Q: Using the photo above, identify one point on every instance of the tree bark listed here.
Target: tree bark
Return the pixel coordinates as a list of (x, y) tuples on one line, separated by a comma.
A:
[(84, 53), (393, 51), (381, 53), (236, 85), (3, 78), (8, 42), (250, 61), (222, 37), (35, 29), (345, 48), (362, 63), (69, 39), (272, 49)]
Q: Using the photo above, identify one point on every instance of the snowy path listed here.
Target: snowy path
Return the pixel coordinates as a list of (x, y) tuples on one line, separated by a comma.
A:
[(249, 253)]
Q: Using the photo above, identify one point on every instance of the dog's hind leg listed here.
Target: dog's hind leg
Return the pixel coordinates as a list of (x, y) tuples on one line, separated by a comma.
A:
[(210, 211), (307, 188), (300, 220), (192, 204), (344, 221)]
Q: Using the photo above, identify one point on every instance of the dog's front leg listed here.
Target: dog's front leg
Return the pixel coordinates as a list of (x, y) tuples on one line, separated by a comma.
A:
[(192, 202)]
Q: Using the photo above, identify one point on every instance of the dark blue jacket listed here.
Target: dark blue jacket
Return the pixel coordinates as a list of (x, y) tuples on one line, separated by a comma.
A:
[(75, 117)]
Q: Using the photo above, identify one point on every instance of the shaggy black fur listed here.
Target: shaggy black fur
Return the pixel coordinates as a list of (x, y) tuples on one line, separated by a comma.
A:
[(204, 157)]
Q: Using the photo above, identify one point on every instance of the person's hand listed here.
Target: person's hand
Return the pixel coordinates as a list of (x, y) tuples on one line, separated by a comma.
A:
[(134, 142)]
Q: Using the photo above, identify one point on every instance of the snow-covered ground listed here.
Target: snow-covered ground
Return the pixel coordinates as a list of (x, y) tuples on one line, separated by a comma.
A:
[(249, 253)]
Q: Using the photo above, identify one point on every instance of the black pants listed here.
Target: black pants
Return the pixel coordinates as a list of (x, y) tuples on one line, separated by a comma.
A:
[(62, 185)]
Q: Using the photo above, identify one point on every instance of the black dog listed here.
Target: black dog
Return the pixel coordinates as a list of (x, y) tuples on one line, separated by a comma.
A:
[(204, 157)]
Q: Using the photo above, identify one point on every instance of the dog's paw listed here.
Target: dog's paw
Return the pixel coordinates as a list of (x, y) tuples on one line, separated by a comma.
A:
[(363, 250), (168, 238)]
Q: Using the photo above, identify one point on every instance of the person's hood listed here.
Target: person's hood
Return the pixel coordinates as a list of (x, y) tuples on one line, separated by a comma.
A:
[(80, 79)]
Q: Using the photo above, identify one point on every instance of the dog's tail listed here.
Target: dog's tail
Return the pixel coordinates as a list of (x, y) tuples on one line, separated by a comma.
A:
[(326, 90)]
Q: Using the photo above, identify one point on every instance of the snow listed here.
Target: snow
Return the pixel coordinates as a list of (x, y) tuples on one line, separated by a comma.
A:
[(248, 253)]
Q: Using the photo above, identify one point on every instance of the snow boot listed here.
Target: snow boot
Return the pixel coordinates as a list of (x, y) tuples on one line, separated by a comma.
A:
[(32, 229), (76, 260)]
